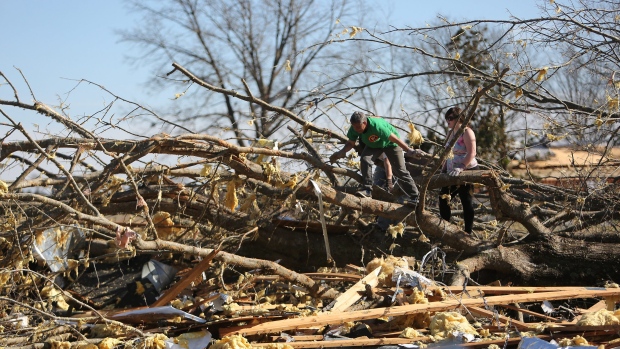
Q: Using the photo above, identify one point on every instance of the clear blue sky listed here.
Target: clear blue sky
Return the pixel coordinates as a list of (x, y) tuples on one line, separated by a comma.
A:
[(55, 40)]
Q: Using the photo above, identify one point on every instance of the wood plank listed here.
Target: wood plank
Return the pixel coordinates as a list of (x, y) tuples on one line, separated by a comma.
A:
[(352, 295), (354, 342), (602, 304), (325, 319), (505, 319), (497, 290), (303, 338), (529, 312), (182, 284), (329, 276)]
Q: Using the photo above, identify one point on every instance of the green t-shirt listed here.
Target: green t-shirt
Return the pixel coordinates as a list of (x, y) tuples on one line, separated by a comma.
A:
[(376, 135)]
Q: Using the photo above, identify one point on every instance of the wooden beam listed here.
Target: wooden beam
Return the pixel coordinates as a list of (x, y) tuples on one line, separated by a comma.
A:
[(174, 291), (352, 295), (339, 318), (505, 319), (602, 304), (529, 312), (496, 290), (353, 342)]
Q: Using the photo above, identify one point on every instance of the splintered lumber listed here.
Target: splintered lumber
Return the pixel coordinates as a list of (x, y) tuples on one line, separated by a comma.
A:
[(302, 338), (333, 276), (596, 307), (504, 319), (496, 290), (529, 312), (352, 295), (356, 342), (341, 317), (174, 291)]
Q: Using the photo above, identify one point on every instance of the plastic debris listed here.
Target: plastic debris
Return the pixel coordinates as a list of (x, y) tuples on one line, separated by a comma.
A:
[(166, 310), (191, 340), (158, 273), (55, 246)]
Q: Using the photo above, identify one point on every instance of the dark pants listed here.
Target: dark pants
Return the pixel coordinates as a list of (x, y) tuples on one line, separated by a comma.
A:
[(380, 179), (399, 170), (466, 201)]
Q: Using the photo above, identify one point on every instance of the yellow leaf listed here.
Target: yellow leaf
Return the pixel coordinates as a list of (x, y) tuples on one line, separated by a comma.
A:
[(450, 91), (466, 27), (249, 202), (542, 74), (457, 56), (3, 187), (598, 122), (355, 31), (518, 93), (287, 65), (558, 10), (612, 103), (206, 170), (231, 200)]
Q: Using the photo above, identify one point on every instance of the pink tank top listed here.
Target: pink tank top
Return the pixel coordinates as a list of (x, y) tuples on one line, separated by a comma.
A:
[(460, 153)]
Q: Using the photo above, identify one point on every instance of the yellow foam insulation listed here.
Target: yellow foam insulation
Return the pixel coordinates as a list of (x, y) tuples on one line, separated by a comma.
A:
[(395, 230), (414, 136), (409, 333), (158, 341), (484, 333), (60, 345), (418, 320), (235, 310), (442, 324), (86, 346), (278, 346), (179, 304), (54, 295), (184, 338), (387, 268), (232, 342), (576, 341), (108, 343), (139, 288), (600, 318), (348, 326), (106, 330), (164, 225), (230, 200)]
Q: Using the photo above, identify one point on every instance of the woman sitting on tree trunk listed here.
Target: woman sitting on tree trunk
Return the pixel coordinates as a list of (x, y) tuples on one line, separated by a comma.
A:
[(464, 159)]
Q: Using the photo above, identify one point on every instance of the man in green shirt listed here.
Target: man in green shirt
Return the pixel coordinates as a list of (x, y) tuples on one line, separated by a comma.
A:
[(379, 136)]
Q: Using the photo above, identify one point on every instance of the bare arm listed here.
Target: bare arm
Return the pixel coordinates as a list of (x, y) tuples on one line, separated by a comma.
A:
[(342, 152), (388, 168), (388, 173), (399, 142)]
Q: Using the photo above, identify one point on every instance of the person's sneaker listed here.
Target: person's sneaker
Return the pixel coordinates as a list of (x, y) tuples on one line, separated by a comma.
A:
[(363, 193), (408, 201)]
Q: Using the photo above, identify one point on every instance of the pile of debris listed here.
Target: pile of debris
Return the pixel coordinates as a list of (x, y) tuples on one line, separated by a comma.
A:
[(145, 303)]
